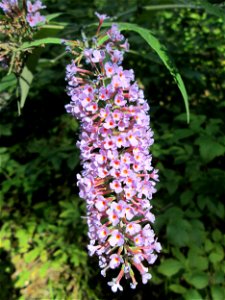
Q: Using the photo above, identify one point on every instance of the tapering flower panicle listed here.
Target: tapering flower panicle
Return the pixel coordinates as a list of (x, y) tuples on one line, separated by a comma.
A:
[(117, 181)]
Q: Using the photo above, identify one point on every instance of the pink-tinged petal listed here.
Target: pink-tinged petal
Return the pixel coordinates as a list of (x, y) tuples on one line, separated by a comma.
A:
[(146, 277), (101, 204), (132, 140), (102, 172), (93, 107), (116, 186), (113, 216), (125, 172), (103, 233), (133, 228), (115, 163), (138, 240), (115, 261), (109, 123), (150, 217), (126, 158), (116, 239), (110, 69), (115, 173), (129, 212), (109, 144), (119, 208), (119, 99), (117, 115), (101, 17), (101, 159), (129, 193)]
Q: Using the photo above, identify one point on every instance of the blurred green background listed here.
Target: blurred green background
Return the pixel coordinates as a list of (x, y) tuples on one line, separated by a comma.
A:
[(43, 238)]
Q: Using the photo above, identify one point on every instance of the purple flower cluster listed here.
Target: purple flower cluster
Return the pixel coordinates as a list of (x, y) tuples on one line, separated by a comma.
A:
[(33, 15), (117, 180), (8, 6)]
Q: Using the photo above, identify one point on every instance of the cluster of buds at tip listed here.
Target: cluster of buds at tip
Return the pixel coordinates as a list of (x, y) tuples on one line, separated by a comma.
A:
[(19, 25), (12, 10), (117, 180)]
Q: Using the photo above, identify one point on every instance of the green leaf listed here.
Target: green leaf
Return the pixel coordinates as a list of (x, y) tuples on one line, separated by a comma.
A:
[(22, 279), (23, 240), (211, 9), (208, 245), (192, 295), (198, 235), (53, 16), (196, 261), (178, 232), (170, 267), (39, 42), (32, 255), (27, 76), (218, 277), (202, 201), (7, 82), (25, 81), (160, 49), (197, 279), (209, 148), (217, 255), (44, 268), (186, 197), (179, 255), (182, 133), (217, 292), (217, 235), (176, 288), (5, 244)]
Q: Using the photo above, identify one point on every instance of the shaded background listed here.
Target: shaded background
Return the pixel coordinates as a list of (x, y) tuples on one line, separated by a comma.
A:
[(43, 238)]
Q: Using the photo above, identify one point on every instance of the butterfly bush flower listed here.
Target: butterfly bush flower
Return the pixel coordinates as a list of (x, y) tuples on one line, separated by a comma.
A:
[(9, 6), (33, 17), (117, 180)]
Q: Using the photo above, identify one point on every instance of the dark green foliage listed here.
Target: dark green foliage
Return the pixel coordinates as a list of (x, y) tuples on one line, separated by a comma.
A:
[(43, 235)]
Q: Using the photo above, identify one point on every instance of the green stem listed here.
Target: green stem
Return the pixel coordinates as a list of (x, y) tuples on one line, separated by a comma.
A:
[(54, 26), (52, 61), (169, 6), (11, 63)]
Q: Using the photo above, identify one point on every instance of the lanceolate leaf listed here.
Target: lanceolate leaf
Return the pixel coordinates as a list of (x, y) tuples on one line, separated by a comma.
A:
[(25, 81), (53, 16), (39, 42), (160, 49), (26, 76), (210, 9)]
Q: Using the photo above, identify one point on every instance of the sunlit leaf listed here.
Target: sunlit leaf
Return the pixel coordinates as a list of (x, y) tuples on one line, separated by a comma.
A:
[(160, 49), (39, 42)]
